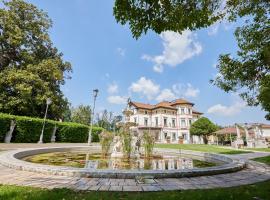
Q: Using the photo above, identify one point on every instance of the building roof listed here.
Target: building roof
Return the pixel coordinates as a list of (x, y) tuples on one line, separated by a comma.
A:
[(142, 105), (265, 125), (163, 104), (232, 130), (197, 112), (181, 101)]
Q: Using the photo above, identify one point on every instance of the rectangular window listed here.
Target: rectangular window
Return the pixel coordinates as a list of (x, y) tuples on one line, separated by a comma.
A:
[(146, 121), (165, 121), (135, 119), (156, 121), (173, 136), (182, 111), (190, 122), (173, 123), (189, 111), (145, 112), (183, 123)]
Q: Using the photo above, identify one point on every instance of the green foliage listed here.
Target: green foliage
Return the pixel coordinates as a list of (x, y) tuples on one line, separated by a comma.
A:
[(159, 16), (203, 127), (95, 133), (72, 132), (148, 143), (106, 139), (5, 121), (31, 69), (81, 114), (28, 130), (246, 73), (126, 141)]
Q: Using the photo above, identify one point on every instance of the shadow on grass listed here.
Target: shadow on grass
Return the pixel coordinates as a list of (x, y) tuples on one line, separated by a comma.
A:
[(233, 152)]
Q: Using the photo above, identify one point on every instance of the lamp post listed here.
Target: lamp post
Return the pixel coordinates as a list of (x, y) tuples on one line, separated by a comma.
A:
[(95, 93), (48, 102)]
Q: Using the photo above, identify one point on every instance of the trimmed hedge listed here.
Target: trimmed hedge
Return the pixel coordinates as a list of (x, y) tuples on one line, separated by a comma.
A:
[(5, 120), (28, 130)]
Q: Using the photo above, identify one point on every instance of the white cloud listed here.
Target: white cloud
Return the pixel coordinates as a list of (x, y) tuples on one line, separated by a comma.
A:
[(177, 49), (112, 88), (166, 95), (145, 87), (223, 110), (185, 90), (117, 99), (121, 52)]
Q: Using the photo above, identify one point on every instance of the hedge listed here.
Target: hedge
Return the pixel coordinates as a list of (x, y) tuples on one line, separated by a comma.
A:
[(28, 130)]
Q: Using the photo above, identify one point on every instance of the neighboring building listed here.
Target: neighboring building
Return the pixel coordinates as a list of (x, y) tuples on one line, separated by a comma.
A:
[(168, 121)]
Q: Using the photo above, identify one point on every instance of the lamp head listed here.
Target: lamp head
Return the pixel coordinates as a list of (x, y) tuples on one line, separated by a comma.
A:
[(95, 92)]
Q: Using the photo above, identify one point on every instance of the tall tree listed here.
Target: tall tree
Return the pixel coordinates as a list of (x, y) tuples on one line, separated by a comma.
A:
[(81, 114), (203, 127), (31, 68), (248, 73)]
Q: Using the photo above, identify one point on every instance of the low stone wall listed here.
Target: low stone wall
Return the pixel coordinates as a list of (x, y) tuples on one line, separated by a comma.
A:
[(12, 159)]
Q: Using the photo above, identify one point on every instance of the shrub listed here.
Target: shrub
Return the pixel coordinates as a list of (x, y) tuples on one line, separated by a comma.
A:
[(95, 133), (5, 120), (148, 143), (28, 130), (106, 139)]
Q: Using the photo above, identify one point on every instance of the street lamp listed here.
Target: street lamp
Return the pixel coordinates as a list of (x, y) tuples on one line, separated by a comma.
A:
[(48, 102), (95, 93)]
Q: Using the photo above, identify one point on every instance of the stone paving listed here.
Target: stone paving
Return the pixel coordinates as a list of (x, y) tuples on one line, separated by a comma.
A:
[(255, 172)]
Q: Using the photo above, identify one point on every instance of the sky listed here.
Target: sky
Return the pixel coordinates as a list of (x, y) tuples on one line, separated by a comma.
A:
[(104, 55)]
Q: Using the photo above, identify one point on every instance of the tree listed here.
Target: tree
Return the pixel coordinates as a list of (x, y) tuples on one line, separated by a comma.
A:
[(81, 114), (163, 15), (203, 127), (248, 72), (31, 69)]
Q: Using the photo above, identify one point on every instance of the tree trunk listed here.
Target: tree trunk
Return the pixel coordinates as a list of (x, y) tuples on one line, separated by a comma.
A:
[(205, 140), (9, 133)]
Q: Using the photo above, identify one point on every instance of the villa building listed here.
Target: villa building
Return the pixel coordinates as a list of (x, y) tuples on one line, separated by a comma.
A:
[(167, 121)]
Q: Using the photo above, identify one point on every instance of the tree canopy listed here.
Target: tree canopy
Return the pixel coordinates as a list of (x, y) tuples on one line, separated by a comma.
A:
[(31, 68), (81, 114), (203, 127), (248, 72)]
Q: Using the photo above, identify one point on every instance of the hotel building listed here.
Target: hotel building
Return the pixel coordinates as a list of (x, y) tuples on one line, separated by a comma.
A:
[(169, 122)]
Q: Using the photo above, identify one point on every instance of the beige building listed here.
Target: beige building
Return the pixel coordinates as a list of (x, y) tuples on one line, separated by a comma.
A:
[(168, 121)]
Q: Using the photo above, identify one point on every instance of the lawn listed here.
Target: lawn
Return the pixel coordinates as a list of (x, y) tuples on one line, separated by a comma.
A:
[(255, 191), (260, 149), (265, 160), (202, 147)]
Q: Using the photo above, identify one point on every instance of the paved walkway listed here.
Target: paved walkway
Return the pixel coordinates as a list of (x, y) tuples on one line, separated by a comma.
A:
[(255, 172)]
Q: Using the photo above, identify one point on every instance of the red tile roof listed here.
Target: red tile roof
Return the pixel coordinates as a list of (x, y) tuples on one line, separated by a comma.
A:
[(163, 104)]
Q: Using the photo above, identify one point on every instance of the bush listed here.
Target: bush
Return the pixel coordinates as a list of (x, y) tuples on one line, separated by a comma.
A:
[(28, 130), (95, 133), (5, 120)]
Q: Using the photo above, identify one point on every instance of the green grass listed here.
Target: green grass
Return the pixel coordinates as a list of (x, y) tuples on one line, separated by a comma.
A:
[(259, 149), (265, 160), (255, 191), (202, 147)]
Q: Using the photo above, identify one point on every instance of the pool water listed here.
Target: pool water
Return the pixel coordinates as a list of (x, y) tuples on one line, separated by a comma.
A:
[(96, 161)]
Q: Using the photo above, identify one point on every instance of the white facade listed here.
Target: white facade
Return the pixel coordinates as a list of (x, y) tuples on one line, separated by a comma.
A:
[(167, 121)]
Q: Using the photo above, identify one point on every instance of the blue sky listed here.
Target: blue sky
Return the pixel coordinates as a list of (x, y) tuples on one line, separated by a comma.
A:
[(155, 67)]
